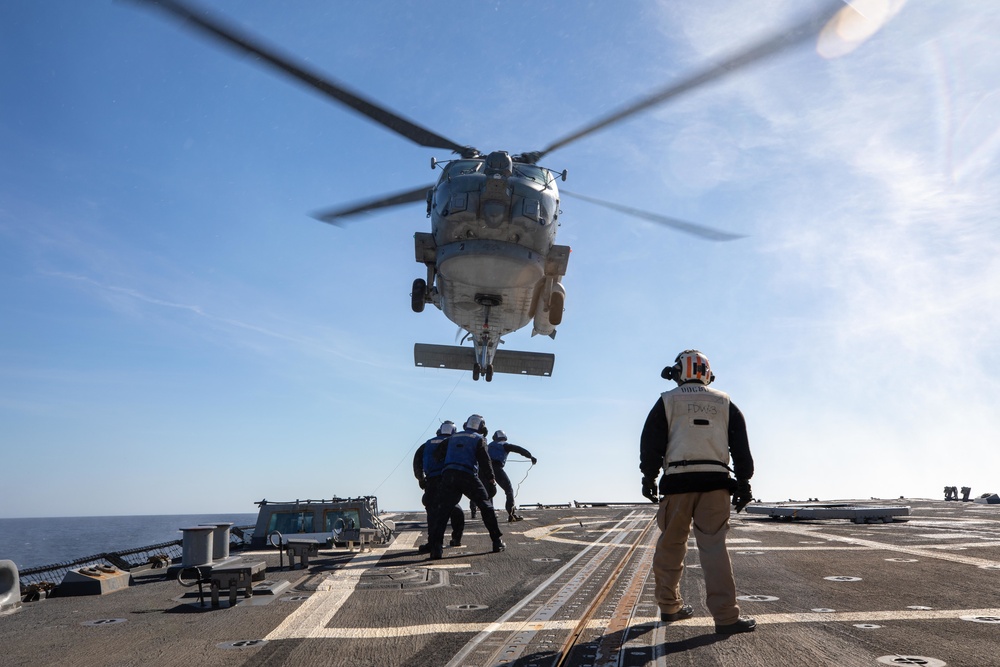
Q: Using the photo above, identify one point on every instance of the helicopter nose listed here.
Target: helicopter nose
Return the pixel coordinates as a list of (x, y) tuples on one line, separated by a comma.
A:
[(493, 213)]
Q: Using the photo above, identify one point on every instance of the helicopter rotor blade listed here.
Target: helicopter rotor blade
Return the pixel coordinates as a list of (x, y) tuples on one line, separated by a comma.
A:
[(769, 46), (701, 231), (335, 216), (241, 42)]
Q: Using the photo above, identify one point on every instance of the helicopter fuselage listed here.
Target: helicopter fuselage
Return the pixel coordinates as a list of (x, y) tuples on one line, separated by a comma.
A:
[(491, 257), (492, 262)]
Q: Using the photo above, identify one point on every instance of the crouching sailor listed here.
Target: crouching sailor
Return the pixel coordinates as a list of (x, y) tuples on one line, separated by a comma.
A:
[(465, 455), (499, 449), (427, 468)]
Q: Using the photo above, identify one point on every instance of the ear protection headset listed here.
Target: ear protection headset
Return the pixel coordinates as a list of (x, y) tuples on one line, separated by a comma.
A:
[(690, 365)]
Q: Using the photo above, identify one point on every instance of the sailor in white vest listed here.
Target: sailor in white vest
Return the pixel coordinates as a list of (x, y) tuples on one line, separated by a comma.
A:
[(691, 434)]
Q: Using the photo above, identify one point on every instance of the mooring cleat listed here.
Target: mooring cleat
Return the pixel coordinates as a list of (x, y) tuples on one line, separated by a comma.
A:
[(687, 611), (745, 624)]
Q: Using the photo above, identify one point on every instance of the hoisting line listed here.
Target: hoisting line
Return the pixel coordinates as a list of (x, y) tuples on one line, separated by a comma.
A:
[(421, 439)]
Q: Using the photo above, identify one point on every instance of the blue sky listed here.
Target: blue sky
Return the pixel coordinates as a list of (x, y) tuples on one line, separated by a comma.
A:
[(179, 336)]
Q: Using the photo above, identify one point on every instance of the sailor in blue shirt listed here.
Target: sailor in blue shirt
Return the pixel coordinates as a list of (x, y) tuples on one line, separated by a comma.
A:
[(428, 471), (499, 449), (465, 459)]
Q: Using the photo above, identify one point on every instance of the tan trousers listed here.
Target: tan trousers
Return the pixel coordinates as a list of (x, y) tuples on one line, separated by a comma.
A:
[(710, 513)]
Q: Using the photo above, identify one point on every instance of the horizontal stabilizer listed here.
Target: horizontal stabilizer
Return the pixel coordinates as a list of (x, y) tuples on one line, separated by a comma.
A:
[(464, 358)]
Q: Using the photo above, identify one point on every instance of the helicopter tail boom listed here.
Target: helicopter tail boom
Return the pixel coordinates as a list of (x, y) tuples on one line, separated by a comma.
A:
[(464, 359)]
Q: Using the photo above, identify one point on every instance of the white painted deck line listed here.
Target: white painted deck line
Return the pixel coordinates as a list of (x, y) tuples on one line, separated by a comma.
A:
[(310, 619), (702, 622)]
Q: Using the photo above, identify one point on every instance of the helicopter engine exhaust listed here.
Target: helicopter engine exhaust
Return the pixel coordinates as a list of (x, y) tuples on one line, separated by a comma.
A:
[(548, 309)]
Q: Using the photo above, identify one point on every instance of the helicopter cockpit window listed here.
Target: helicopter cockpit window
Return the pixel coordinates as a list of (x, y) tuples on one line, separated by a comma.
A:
[(531, 171), (532, 209), (462, 167)]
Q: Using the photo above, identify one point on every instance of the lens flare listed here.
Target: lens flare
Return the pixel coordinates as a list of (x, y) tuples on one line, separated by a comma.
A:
[(853, 25)]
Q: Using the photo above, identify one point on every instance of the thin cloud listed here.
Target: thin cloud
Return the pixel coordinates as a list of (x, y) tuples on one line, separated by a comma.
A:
[(304, 344)]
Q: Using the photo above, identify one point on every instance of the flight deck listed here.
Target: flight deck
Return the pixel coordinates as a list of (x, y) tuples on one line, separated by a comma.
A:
[(573, 587)]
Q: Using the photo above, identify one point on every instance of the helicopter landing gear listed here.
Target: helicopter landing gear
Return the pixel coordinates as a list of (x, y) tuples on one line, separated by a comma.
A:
[(418, 297), (477, 371)]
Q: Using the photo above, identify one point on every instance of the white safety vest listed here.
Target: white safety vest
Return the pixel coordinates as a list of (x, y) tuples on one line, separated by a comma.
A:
[(698, 422)]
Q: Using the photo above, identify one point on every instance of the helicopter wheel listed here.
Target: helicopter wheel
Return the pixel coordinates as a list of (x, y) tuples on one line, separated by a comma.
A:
[(418, 295), (489, 373), (476, 370)]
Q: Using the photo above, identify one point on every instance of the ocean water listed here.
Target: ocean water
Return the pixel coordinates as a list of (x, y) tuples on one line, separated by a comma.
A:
[(36, 542)]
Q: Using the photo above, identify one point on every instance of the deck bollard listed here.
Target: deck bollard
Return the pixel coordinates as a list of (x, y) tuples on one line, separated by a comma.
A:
[(197, 546), (220, 539)]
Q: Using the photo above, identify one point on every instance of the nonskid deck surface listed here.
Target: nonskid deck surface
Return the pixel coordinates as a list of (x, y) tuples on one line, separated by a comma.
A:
[(574, 587)]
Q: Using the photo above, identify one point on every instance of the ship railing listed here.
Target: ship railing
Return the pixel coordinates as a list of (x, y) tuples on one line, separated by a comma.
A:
[(377, 522), (46, 577)]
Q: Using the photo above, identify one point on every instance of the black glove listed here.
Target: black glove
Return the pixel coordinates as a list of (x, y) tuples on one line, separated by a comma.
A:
[(649, 489), (743, 495), (422, 483), (533, 460)]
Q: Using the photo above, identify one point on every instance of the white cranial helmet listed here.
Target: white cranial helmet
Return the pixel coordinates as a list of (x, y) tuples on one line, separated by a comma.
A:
[(689, 366)]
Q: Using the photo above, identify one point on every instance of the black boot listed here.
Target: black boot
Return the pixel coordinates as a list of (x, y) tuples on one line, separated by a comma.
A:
[(745, 624), (686, 611)]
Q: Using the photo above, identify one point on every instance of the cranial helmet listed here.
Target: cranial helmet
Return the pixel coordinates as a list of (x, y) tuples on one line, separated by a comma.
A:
[(689, 366), (474, 423), (447, 428), (499, 436)]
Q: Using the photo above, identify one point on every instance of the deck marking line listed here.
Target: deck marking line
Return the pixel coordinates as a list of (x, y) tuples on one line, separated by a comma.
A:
[(501, 623), (311, 617), (926, 551), (602, 624)]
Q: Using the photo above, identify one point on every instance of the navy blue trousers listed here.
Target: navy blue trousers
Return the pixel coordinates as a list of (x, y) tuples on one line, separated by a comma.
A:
[(454, 485)]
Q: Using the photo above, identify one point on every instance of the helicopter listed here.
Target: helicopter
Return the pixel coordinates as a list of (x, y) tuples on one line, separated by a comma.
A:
[(492, 263)]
